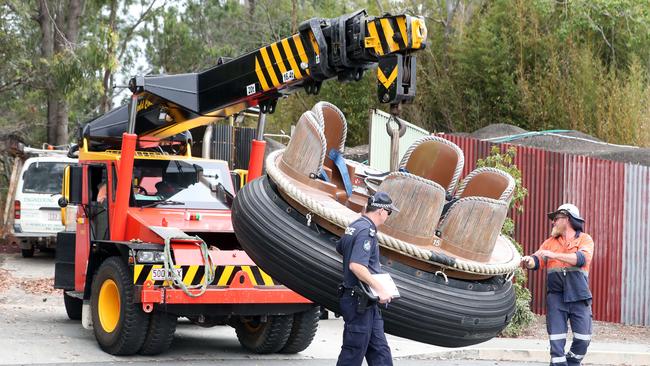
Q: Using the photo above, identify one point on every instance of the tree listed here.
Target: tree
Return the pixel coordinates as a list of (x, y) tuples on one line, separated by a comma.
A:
[(59, 24)]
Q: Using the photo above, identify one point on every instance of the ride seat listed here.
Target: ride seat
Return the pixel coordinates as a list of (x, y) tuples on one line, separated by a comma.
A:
[(435, 159), (305, 152), (335, 128), (471, 226), (420, 202), (334, 124), (487, 182)]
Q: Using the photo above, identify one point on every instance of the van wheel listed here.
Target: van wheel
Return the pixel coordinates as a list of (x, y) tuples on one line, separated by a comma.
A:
[(268, 337), (303, 330), (73, 306), (27, 253), (119, 324), (160, 334)]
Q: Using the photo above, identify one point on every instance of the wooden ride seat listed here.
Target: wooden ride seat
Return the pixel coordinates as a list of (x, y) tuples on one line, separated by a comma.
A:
[(436, 159), (303, 159), (420, 202), (471, 226), (334, 124), (487, 182), (305, 152), (335, 127)]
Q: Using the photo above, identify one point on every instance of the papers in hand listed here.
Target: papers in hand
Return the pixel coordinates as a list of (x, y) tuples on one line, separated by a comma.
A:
[(388, 284)]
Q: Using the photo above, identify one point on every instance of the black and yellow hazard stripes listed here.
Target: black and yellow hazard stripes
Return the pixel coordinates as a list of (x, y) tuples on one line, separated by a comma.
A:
[(385, 80), (280, 63), (194, 275), (391, 34)]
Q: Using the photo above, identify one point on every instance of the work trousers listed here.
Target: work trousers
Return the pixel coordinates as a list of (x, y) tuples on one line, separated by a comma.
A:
[(557, 314), (363, 336)]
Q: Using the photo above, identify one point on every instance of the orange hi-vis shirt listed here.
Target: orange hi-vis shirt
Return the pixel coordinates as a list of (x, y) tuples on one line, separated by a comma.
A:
[(572, 281)]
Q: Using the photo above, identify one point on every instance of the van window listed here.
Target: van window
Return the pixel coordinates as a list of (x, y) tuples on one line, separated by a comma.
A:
[(43, 177)]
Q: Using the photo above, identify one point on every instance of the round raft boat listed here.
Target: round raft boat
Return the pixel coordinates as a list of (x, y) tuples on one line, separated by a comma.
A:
[(443, 249)]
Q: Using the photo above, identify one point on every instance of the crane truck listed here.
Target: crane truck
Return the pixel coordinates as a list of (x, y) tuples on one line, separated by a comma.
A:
[(154, 239)]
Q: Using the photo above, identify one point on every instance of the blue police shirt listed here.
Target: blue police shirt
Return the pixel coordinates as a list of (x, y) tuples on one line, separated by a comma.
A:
[(359, 245)]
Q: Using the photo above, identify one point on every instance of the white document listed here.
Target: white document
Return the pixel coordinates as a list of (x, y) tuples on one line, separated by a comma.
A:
[(387, 282)]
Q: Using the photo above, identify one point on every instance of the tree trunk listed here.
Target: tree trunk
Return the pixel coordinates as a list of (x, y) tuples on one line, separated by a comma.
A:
[(105, 100)]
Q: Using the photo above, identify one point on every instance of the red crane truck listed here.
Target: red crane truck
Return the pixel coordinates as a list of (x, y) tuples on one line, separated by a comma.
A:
[(154, 240)]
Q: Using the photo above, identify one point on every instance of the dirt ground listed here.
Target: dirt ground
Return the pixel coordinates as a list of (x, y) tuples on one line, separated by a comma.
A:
[(603, 332)]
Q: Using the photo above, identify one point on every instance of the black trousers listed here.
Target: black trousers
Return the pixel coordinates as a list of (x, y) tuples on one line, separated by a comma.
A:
[(363, 336)]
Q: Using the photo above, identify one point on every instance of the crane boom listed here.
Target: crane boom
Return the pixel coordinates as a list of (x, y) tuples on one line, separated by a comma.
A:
[(342, 47)]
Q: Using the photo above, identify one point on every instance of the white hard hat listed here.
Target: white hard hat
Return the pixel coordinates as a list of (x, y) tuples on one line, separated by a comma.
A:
[(567, 209)]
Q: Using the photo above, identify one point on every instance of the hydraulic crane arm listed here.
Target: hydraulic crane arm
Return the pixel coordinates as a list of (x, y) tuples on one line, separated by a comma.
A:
[(342, 47)]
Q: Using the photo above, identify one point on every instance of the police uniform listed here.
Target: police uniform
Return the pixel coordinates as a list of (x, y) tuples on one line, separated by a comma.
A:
[(567, 293), (363, 335)]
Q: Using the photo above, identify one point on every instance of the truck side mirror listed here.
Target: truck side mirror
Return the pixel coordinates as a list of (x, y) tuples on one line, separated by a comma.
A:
[(63, 203), (73, 184)]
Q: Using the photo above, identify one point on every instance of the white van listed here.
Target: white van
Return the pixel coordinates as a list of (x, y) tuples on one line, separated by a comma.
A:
[(37, 215)]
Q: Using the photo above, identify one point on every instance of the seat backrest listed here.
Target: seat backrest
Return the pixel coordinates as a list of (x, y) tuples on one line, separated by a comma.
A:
[(420, 202), (306, 150), (436, 159), (487, 182), (471, 227), (335, 127)]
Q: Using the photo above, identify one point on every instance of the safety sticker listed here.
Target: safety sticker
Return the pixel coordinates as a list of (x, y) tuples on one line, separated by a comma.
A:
[(287, 76), (250, 89), (160, 274)]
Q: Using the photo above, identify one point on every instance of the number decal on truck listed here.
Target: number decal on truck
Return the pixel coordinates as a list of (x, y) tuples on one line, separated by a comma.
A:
[(160, 274)]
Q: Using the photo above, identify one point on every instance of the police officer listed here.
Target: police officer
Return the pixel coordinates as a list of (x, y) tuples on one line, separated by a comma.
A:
[(567, 256), (363, 335)]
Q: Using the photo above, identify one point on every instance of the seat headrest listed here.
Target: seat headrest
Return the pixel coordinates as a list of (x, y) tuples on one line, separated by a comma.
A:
[(436, 159), (488, 182), (333, 123)]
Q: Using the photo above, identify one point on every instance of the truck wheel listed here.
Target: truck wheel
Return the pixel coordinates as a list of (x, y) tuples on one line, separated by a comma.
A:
[(72, 306), (119, 324), (162, 326), (303, 330), (27, 253), (266, 337)]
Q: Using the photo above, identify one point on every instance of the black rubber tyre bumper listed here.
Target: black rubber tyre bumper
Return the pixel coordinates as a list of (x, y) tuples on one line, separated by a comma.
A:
[(451, 313)]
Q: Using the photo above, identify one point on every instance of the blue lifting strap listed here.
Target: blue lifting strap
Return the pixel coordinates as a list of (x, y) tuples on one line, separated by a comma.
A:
[(322, 175), (339, 161)]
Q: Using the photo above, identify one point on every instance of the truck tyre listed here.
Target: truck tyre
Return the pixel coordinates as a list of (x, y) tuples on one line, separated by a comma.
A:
[(119, 324), (27, 253), (303, 330), (266, 337), (162, 326), (72, 306)]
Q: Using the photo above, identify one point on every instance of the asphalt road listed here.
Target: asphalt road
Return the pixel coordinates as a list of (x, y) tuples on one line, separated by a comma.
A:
[(34, 329)]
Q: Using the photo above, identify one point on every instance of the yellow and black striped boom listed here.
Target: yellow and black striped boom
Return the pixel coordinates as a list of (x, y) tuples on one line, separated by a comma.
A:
[(342, 47)]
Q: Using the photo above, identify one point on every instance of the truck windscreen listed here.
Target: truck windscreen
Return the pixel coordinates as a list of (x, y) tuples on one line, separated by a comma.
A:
[(195, 184)]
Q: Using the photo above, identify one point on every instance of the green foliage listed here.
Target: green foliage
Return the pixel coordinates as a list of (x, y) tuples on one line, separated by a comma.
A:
[(505, 161), (539, 64)]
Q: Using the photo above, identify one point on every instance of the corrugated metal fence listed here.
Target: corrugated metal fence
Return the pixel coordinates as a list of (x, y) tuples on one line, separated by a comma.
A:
[(614, 199)]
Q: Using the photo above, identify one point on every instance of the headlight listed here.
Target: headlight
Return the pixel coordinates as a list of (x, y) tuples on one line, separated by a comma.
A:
[(147, 256)]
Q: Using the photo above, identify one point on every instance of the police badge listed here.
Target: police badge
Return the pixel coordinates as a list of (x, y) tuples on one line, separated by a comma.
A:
[(366, 245)]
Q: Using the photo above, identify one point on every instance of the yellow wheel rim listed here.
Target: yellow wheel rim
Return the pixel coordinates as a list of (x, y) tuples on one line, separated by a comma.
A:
[(252, 325), (109, 305)]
